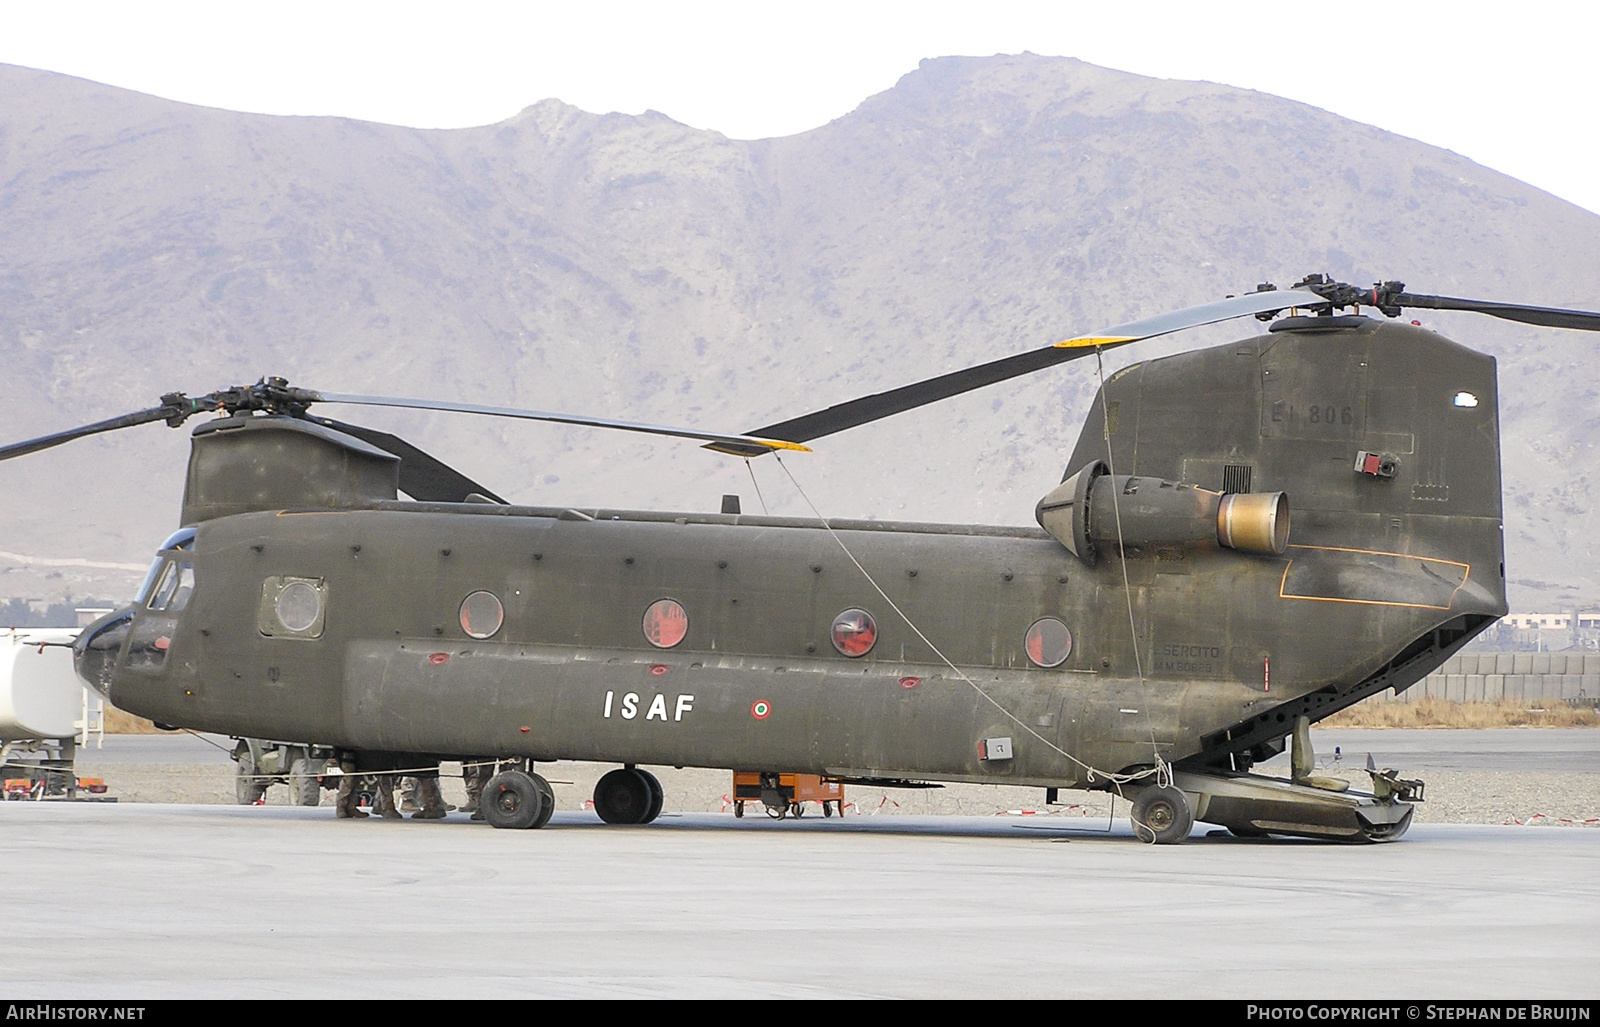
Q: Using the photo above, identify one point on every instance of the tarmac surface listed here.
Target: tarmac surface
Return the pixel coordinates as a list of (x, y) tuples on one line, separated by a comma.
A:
[(148, 900), (1567, 750)]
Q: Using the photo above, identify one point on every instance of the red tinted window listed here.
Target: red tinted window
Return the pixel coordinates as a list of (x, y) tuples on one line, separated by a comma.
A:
[(482, 614), (665, 623), (1048, 643), (854, 632)]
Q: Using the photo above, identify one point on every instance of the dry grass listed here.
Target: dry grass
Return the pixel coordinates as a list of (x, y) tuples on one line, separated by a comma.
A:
[(1437, 713), (119, 722)]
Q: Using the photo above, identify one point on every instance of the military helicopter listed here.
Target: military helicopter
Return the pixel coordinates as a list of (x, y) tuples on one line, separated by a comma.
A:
[(1159, 632)]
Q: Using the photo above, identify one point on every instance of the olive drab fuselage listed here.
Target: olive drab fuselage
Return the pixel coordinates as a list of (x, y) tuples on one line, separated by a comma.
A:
[(1185, 650)]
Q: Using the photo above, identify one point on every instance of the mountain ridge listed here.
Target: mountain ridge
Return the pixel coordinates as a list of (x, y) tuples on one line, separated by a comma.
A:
[(634, 267)]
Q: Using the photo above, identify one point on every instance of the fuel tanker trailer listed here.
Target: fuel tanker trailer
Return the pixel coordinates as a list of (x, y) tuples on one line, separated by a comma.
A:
[(45, 713)]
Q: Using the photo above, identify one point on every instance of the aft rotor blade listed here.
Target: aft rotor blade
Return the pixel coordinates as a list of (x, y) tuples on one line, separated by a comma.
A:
[(743, 445), (1549, 317), (424, 478), (908, 397), (160, 413)]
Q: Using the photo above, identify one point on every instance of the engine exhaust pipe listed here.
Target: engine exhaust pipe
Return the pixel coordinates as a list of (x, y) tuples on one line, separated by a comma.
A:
[(1254, 522), (1094, 508)]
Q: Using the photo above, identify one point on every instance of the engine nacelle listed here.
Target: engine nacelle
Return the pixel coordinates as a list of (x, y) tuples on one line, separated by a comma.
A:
[(1095, 507)]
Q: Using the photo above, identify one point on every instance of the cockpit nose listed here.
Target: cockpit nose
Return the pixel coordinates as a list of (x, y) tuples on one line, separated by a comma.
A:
[(95, 652)]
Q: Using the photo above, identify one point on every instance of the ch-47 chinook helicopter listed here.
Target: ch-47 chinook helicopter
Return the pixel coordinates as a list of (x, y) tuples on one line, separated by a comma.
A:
[(1160, 632)]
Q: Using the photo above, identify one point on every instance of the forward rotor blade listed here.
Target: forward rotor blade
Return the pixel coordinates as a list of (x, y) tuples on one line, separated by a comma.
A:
[(1549, 317), (160, 413), (741, 444), (424, 478), (884, 404)]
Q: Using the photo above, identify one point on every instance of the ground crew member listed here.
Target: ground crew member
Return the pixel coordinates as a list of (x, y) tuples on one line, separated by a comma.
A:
[(383, 797), (348, 803), (429, 798), (475, 773), (411, 796)]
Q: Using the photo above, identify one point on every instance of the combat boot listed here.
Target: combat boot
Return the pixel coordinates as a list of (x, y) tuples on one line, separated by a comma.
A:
[(408, 795), (431, 798), (347, 804), (383, 798), (474, 777)]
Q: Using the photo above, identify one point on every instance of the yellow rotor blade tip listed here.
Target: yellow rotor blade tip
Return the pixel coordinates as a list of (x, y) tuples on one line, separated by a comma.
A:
[(1095, 340)]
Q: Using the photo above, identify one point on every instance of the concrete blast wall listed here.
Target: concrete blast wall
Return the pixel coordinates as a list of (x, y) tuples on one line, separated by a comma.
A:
[(1491, 677)]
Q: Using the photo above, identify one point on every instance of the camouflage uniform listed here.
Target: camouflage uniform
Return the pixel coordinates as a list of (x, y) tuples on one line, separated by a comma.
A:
[(349, 796), (475, 773), (383, 797), (430, 797), (408, 795)]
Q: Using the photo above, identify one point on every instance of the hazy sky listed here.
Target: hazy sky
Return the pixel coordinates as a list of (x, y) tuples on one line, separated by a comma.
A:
[(1511, 86)]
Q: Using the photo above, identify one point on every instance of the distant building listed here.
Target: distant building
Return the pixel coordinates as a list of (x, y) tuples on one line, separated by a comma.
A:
[(1543, 632)]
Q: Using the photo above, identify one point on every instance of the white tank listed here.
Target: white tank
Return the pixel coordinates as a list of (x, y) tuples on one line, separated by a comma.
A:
[(40, 694)]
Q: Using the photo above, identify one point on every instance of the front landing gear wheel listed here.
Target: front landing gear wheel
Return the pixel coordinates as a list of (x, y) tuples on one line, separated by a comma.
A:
[(626, 797), (1162, 816), (513, 799)]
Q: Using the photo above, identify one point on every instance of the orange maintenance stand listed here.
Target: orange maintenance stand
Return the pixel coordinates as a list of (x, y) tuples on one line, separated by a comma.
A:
[(786, 794)]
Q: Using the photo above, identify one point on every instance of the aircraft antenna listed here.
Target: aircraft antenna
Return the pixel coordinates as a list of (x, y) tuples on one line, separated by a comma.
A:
[(757, 484), (1163, 772)]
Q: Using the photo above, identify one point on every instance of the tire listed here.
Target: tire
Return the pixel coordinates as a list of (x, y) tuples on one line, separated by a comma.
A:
[(514, 800), (738, 810), (1162, 816), (248, 788), (623, 797), (304, 788), (798, 810), (549, 796), (657, 796), (827, 810)]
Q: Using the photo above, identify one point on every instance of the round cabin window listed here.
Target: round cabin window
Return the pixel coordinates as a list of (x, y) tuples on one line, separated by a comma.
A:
[(665, 623), (854, 633), (482, 614), (1048, 643), (298, 606)]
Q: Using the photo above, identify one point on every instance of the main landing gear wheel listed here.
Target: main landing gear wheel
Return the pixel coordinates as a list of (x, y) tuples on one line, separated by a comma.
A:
[(657, 796), (1162, 816), (628, 796), (513, 799)]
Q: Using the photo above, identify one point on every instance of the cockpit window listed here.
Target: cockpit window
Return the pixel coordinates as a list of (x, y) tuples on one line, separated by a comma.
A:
[(174, 587), (182, 540)]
